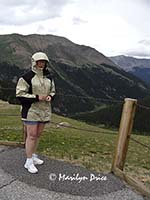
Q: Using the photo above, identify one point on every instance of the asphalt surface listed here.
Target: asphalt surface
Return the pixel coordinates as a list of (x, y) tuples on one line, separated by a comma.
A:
[(57, 180)]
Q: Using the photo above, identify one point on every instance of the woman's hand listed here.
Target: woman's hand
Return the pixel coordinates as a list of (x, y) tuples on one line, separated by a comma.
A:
[(42, 98), (48, 98), (45, 98)]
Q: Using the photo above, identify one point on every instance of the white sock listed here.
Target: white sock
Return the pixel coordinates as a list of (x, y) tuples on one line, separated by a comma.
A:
[(34, 155), (29, 161)]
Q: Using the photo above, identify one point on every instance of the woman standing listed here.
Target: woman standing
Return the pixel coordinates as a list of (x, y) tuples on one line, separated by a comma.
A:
[(35, 91)]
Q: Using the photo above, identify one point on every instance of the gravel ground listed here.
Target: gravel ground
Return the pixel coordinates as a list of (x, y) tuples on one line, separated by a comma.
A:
[(57, 180)]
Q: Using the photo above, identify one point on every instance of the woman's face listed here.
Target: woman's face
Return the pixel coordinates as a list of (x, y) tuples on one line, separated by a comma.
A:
[(40, 64)]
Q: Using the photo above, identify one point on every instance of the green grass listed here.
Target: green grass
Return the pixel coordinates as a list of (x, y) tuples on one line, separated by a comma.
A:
[(92, 149), (138, 160)]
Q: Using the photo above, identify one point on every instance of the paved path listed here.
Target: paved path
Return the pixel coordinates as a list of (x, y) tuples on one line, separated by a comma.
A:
[(50, 184)]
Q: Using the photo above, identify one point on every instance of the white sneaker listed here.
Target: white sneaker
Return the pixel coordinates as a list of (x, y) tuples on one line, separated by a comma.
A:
[(30, 167), (37, 161)]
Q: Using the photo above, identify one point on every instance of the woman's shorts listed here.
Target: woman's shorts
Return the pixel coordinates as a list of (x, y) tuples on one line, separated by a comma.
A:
[(34, 122)]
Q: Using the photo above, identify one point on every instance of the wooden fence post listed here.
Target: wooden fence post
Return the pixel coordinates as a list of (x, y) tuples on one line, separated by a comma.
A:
[(125, 129)]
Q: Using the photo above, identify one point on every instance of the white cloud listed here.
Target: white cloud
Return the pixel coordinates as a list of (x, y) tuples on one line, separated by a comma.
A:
[(78, 20), (141, 49), (25, 12), (111, 26)]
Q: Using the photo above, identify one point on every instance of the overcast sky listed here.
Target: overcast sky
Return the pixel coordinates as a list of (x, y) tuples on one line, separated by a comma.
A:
[(113, 27)]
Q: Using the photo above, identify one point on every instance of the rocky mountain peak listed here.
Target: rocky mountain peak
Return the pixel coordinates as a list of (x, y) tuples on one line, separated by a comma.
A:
[(21, 47)]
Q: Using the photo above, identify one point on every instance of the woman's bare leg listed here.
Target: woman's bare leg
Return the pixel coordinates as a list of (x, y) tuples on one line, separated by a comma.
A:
[(31, 139), (40, 128)]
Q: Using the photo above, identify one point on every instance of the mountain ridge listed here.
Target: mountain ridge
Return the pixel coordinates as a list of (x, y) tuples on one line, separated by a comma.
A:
[(55, 46), (78, 71), (128, 62), (139, 67)]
